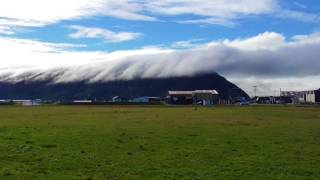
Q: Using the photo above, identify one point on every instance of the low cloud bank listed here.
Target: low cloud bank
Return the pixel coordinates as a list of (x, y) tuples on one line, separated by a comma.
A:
[(265, 58)]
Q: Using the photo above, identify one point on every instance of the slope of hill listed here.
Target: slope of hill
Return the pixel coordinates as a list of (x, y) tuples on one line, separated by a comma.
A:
[(125, 88)]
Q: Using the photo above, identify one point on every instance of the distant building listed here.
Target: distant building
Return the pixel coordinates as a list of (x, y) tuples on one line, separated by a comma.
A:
[(266, 100), (5, 101), (203, 97), (82, 101), (180, 97), (284, 100), (27, 102), (303, 97), (146, 99), (116, 99)]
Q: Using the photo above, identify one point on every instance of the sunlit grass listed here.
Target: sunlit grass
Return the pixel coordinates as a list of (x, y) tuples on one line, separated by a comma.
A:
[(79, 142)]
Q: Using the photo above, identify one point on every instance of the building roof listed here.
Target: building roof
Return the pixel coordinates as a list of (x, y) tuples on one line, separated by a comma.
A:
[(193, 92), (147, 97), (82, 101), (180, 92), (206, 92)]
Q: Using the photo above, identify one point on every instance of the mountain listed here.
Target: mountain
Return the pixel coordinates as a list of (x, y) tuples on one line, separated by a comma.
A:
[(158, 87)]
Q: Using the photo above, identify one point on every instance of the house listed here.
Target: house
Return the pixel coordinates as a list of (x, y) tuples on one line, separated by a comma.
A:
[(27, 102), (5, 102), (180, 97), (203, 97)]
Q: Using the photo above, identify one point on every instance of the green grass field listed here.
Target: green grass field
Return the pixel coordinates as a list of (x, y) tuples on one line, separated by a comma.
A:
[(82, 142)]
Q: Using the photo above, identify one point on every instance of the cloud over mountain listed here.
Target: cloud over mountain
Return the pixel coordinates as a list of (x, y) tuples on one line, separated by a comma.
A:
[(265, 57)]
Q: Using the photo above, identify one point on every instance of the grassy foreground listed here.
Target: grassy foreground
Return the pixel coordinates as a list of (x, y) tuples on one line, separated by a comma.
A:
[(79, 142)]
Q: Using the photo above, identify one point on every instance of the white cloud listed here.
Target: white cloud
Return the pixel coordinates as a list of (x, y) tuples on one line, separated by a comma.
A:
[(187, 44), (288, 64), (300, 5), (37, 13), (30, 53), (307, 39), (216, 12), (272, 86), (297, 15), (107, 35), (211, 20), (212, 8), (267, 40), (6, 30)]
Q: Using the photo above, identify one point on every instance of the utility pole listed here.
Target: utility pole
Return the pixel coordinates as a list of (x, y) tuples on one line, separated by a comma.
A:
[(255, 88)]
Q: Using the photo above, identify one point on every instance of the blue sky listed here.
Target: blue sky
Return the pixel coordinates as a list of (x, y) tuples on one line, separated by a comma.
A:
[(167, 29), (50, 33)]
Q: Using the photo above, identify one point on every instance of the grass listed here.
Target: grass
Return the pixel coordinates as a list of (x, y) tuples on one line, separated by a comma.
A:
[(99, 142)]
